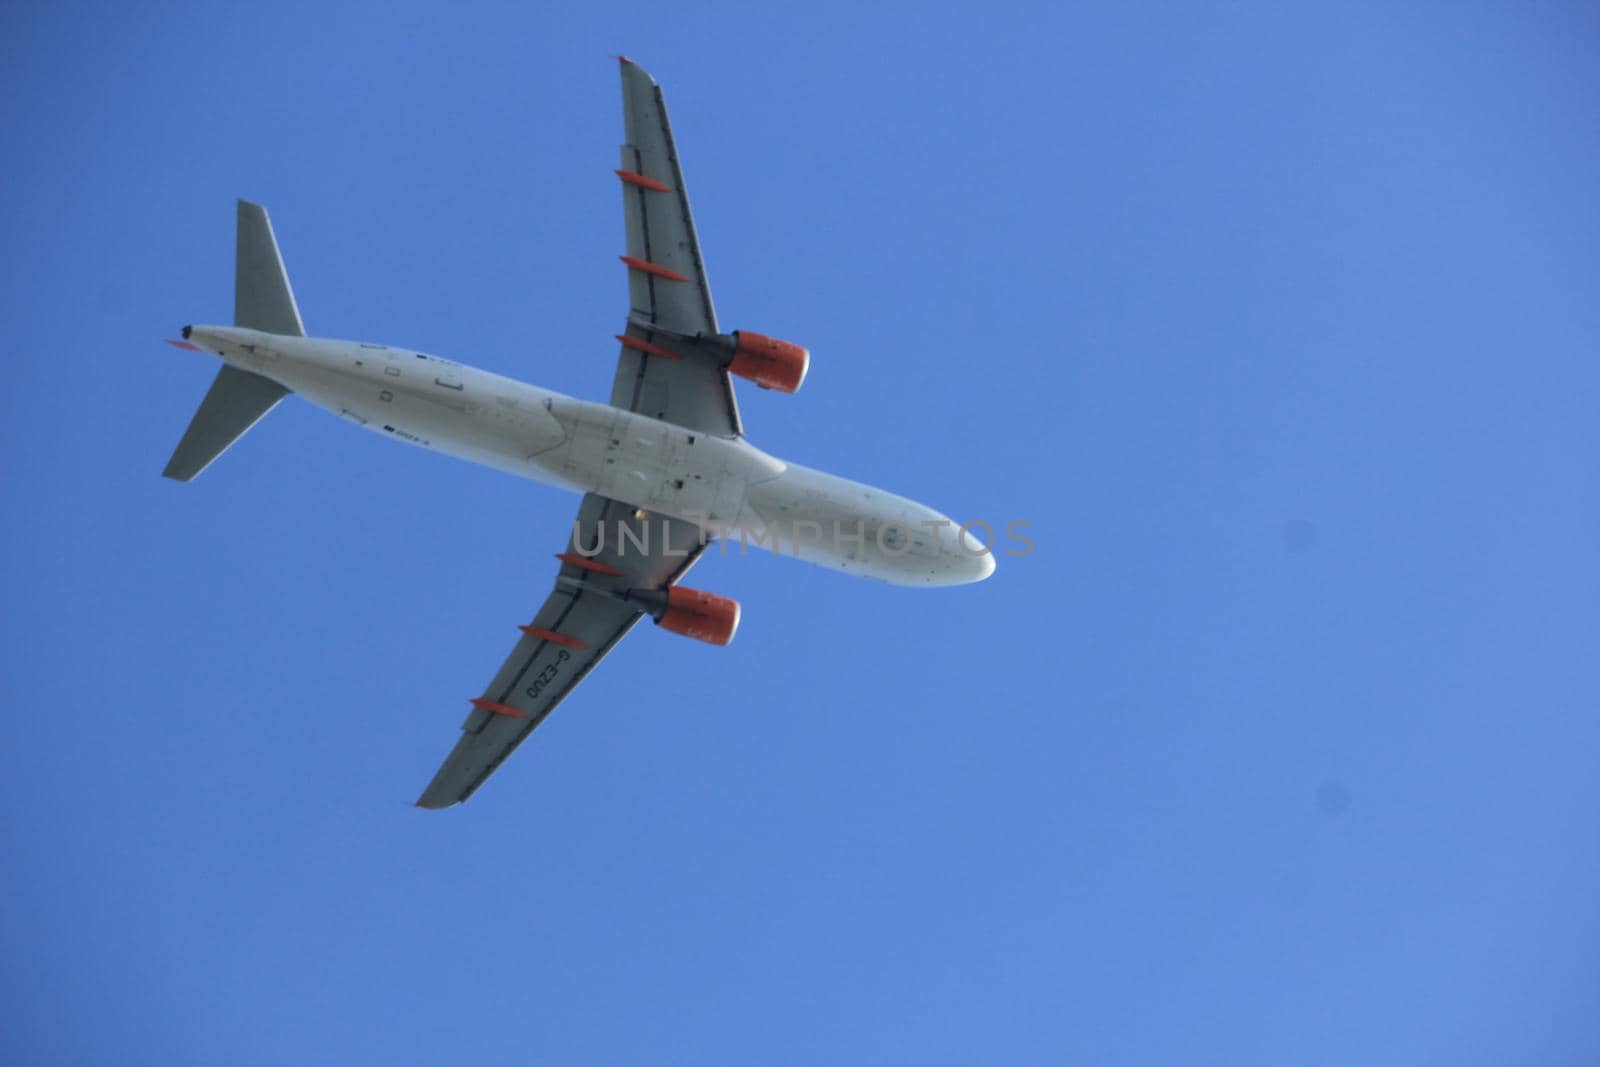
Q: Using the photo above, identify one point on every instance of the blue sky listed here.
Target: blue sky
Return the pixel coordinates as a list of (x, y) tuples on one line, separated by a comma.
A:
[(1276, 321)]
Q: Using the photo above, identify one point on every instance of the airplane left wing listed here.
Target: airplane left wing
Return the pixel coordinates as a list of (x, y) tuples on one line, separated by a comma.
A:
[(578, 624)]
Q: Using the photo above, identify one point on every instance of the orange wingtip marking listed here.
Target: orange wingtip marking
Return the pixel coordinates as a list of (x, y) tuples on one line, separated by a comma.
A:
[(653, 268), (551, 635), (644, 183), (586, 564), (646, 346), (625, 59), (499, 709), (182, 344)]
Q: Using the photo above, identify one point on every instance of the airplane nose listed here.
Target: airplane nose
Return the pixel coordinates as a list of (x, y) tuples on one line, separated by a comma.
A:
[(967, 559), (969, 568), (187, 330)]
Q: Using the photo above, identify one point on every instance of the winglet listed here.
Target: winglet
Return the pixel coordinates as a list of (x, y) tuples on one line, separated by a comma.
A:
[(182, 344)]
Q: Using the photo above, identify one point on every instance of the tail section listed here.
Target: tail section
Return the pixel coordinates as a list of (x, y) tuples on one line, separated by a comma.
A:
[(236, 402), (262, 300)]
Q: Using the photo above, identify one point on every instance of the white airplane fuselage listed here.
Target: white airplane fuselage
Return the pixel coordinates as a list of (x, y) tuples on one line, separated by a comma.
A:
[(724, 485)]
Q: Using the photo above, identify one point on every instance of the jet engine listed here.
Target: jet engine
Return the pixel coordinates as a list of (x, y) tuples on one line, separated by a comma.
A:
[(698, 614), (767, 361)]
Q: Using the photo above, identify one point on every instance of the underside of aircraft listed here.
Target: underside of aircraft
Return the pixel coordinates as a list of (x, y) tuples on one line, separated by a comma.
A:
[(663, 467)]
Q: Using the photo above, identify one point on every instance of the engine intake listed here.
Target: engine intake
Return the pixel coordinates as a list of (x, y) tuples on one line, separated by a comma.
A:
[(769, 362), (698, 614)]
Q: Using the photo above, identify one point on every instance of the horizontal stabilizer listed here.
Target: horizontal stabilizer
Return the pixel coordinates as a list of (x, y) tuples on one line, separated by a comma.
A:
[(236, 402)]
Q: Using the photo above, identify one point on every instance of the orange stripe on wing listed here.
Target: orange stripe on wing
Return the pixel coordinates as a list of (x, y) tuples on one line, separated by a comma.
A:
[(551, 635), (646, 346), (653, 268), (498, 709), (587, 564), (642, 182)]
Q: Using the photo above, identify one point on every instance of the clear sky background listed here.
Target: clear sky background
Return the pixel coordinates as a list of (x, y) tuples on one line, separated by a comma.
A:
[(1278, 325)]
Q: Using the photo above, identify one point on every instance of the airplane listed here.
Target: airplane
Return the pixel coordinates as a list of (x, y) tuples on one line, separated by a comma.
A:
[(664, 466)]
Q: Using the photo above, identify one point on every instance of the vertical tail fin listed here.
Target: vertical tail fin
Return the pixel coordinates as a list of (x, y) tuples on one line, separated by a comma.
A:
[(262, 300)]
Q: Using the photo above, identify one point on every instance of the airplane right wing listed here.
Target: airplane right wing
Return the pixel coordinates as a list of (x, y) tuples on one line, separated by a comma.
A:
[(578, 624), (668, 295)]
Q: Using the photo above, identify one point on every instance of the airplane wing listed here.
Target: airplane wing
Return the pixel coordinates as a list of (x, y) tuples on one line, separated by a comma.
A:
[(572, 632), (669, 297)]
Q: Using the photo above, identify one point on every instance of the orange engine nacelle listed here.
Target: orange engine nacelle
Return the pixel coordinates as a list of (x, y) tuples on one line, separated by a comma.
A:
[(769, 362), (700, 615)]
